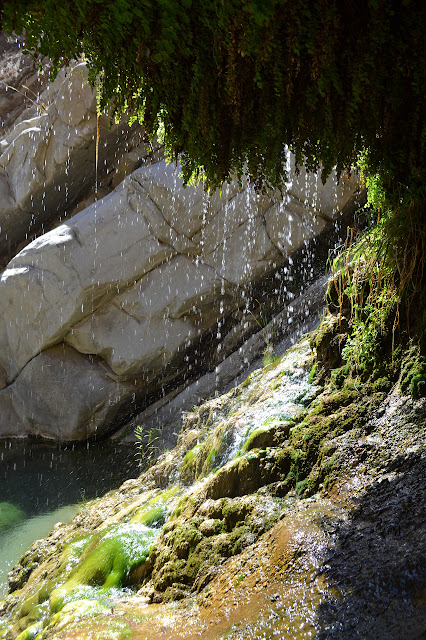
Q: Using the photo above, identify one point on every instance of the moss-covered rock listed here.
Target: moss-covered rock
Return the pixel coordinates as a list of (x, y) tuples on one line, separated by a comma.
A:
[(413, 372), (192, 546), (211, 527), (199, 527), (90, 567), (208, 455), (240, 477), (329, 340), (154, 511), (267, 435)]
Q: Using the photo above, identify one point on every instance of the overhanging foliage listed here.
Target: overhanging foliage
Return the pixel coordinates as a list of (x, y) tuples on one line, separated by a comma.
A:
[(234, 81)]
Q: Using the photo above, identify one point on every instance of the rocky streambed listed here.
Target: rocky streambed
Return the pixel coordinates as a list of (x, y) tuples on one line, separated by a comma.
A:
[(287, 509)]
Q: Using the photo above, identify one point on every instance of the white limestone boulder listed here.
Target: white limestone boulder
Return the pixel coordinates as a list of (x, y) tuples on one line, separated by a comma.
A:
[(62, 395), (144, 327), (134, 280), (65, 274), (47, 160)]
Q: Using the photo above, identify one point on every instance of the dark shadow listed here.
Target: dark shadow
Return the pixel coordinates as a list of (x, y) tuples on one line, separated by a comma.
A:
[(377, 568), (39, 477)]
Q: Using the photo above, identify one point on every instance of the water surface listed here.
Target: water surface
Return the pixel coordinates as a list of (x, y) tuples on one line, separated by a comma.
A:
[(42, 484)]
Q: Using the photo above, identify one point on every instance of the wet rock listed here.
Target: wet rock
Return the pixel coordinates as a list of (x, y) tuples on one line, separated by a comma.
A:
[(329, 340), (247, 474), (344, 560), (211, 527)]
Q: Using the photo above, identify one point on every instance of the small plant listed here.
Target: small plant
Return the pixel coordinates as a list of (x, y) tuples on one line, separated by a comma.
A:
[(313, 374), (269, 357), (35, 101), (148, 449), (240, 579)]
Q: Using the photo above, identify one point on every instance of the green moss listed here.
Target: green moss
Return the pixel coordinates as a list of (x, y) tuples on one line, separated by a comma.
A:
[(187, 554), (69, 558), (418, 385), (261, 437), (270, 360), (327, 343), (203, 557), (105, 563), (170, 573), (382, 384), (338, 376), (222, 545), (184, 538), (205, 457), (212, 527), (336, 413), (211, 459), (236, 510), (299, 466), (176, 592), (152, 517), (9, 515), (240, 537), (72, 612), (247, 382), (313, 374), (189, 465), (191, 455), (240, 579), (277, 418), (301, 486), (30, 632), (413, 372), (154, 512)]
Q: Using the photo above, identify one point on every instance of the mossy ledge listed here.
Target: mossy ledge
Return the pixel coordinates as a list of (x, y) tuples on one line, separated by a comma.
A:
[(241, 463)]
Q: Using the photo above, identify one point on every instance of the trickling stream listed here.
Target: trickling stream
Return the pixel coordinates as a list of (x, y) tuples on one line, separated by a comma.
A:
[(41, 485)]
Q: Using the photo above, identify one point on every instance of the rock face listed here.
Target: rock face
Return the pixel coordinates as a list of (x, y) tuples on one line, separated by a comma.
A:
[(47, 151), (300, 503), (106, 310)]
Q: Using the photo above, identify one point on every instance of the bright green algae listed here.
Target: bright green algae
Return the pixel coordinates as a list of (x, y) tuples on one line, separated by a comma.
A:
[(106, 563), (154, 512), (9, 515), (93, 570)]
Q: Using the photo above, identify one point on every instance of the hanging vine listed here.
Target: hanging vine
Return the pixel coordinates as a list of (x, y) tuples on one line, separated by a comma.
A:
[(228, 85), (232, 83)]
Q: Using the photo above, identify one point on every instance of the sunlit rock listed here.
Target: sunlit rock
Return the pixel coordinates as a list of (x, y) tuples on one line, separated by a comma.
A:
[(124, 280), (129, 346), (135, 279), (47, 160), (62, 395), (65, 274)]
